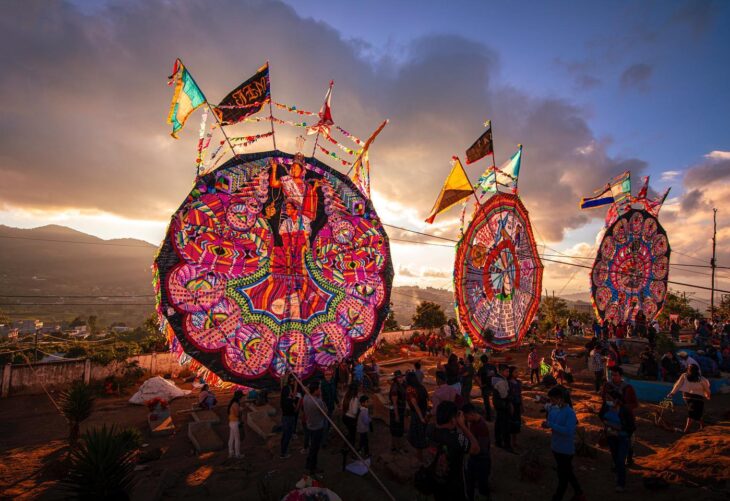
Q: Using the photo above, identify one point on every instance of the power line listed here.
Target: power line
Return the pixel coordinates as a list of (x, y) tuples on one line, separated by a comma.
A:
[(106, 244)]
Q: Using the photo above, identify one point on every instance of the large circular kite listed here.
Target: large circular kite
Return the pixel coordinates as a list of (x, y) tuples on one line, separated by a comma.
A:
[(631, 268), (498, 273), (273, 263)]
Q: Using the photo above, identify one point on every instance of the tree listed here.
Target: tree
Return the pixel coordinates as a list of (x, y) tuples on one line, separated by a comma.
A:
[(91, 322), (677, 304), (553, 310), (429, 316), (391, 324)]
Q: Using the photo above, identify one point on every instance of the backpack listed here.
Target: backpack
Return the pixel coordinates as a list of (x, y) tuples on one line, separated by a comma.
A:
[(429, 478)]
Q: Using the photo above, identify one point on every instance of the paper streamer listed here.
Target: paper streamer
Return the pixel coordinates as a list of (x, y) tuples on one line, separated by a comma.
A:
[(334, 155)]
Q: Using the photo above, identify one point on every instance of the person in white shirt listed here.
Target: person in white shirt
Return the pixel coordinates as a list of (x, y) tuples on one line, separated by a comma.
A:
[(695, 389)]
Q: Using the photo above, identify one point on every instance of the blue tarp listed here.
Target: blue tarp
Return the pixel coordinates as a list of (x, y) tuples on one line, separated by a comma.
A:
[(656, 391)]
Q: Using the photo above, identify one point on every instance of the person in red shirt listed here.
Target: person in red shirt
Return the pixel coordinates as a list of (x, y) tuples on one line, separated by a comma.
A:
[(616, 384)]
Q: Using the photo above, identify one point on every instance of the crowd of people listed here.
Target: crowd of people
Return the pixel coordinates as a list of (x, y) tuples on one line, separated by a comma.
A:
[(448, 433)]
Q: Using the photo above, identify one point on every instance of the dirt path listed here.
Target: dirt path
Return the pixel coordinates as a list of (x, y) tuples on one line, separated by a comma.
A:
[(32, 440)]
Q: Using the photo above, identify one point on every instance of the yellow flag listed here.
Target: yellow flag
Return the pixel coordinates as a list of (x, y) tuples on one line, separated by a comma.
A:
[(456, 188)]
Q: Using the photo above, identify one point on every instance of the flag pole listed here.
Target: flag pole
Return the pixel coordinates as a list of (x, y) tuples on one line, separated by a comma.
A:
[(271, 109)]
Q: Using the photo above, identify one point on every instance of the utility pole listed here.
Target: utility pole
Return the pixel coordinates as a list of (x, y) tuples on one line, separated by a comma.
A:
[(712, 263)]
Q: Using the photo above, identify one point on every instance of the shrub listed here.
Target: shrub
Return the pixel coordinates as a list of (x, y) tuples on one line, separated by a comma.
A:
[(101, 467), (76, 405)]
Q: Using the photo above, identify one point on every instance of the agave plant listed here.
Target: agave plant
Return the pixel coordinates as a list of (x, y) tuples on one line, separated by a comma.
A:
[(101, 467), (76, 405)]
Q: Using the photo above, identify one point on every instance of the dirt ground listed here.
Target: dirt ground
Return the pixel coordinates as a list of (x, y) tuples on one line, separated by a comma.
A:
[(697, 466)]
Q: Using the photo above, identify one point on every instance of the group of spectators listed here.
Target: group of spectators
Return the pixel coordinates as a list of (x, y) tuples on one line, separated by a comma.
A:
[(450, 434)]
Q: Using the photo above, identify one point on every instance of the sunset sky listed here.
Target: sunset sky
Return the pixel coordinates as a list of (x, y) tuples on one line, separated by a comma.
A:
[(589, 88)]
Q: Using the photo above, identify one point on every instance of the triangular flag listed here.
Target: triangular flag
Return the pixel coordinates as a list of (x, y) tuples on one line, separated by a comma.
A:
[(247, 99), (186, 98), (455, 188), (361, 167), (506, 175), (325, 114), (644, 188)]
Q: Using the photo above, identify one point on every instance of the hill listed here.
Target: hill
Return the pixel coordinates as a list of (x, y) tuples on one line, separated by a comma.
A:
[(55, 260)]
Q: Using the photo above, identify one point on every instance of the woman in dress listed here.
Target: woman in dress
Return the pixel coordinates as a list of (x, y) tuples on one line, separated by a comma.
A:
[(695, 389)]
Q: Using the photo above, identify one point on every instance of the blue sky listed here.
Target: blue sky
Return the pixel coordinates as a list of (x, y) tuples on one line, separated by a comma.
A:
[(579, 51)]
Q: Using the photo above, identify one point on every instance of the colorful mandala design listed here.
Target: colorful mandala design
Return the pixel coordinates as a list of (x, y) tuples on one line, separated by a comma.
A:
[(498, 273), (270, 265), (631, 269)]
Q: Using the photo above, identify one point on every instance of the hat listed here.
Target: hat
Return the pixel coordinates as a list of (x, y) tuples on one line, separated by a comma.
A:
[(682, 354), (700, 352), (396, 374)]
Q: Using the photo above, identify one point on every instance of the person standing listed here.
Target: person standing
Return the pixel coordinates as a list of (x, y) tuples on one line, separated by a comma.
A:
[(234, 425), (502, 406), (533, 363), (478, 465), (515, 396), (561, 420), (289, 401), (314, 411), (559, 356), (328, 387), (442, 393), (397, 397), (419, 372), (629, 401), (350, 406), (363, 426), (484, 378), (619, 425), (596, 365), (453, 440), (417, 398), (695, 389), (467, 378)]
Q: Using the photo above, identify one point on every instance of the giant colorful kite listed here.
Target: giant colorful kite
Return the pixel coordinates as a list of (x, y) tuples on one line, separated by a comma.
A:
[(273, 262), (498, 273), (631, 268)]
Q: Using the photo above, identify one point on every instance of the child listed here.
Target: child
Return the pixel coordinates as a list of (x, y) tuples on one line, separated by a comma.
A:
[(533, 362), (363, 425)]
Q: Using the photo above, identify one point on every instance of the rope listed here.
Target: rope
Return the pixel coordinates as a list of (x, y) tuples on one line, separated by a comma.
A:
[(40, 381)]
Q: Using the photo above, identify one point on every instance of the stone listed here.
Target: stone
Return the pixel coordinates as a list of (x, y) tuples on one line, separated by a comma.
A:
[(261, 423), (204, 437), (206, 416)]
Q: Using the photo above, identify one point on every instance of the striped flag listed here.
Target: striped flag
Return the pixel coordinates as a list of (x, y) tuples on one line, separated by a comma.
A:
[(186, 98)]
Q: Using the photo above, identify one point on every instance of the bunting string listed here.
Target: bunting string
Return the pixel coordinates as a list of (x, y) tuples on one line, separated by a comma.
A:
[(243, 141), (350, 136), (344, 148), (333, 155), (294, 109)]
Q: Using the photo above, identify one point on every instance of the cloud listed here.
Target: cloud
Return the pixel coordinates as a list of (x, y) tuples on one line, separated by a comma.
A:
[(581, 72), (715, 169), (637, 76), (437, 273), (670, 175), (84, 100), (406, 271), (698, 15)]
